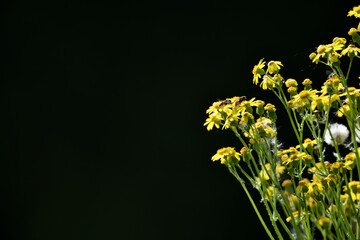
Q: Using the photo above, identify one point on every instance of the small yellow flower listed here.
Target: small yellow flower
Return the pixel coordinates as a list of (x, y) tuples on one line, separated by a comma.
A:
[(213, 120), (273, 66), (354, 12), (344, 109), (351, 51), (312, 56), (307, 82), (296, 215), (352, 31), (305, 97), (269, 107), (267, 83), (286, 183), (291, 83), (258, 71), (350, 160), (245, 117), (225, 155), (325, 222)]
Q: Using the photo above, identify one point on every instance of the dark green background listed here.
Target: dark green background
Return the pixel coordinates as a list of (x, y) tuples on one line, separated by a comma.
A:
[(103, 105)]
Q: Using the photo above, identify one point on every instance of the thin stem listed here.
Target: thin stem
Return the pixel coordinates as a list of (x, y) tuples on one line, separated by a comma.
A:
[(252, 203)]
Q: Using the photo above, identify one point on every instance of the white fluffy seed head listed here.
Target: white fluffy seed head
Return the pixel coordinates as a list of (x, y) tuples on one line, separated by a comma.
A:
[(339, 132)]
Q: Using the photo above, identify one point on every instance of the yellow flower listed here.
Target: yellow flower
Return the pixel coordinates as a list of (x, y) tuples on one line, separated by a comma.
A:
[(286, 183), (264, 173), (213, 120), (354, 12), (280, 169), (338, 43), (305, 97), (308, 143), (267, 83), (312, 56), (273, 66), (307, 82), (351, 51), (314, 189), (350, 160), (325, 222), (352, 31), (344, 109), (269, 107), (225, 155), (258, 71), (245, 117), (296, 216)]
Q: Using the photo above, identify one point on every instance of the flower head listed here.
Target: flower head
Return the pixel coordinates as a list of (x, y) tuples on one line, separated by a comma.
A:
[(354, 12), (273, 66), (225, 155), (338, 132), (267, 83), (351, 51), (258, 71)]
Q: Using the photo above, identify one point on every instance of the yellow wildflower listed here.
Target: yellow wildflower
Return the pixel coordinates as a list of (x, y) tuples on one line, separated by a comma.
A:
[(354, 12), (314, 189), (291, 83), (325, 222), (273, 66), (213, 120), (225, 155), (307, 82), (350, 161), (245, 117), (258, 71), (305, 97), (352, 31), (351, 51), (344, 109), (267, 83), (270, 107)]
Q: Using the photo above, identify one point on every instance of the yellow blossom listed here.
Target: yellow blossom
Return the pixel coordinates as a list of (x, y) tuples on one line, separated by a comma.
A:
[(267, 83), (352, 31), (325, 222), (305, 97), (307, 82), (354, 12), (213, 120), (286, 183), (291, 83), (225, 155), (273, 66), (344, 109), (258, 71), (270, 107), (351, 51)]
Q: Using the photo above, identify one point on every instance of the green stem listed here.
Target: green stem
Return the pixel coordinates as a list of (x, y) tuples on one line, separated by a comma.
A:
[(252, 203)]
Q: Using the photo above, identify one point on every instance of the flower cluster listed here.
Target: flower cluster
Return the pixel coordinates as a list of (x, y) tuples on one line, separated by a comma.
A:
[(314, 189)]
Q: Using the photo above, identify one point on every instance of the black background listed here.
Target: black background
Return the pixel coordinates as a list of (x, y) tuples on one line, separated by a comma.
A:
[(103, 105)]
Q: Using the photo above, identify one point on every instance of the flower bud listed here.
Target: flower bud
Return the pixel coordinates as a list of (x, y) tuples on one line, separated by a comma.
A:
[(321, 49), (352, 31), (312, 56)]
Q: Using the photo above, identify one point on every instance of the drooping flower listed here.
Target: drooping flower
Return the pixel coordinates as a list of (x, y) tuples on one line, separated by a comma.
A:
[(267, 83), (351, 51), (258, 71), (273, 66)]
